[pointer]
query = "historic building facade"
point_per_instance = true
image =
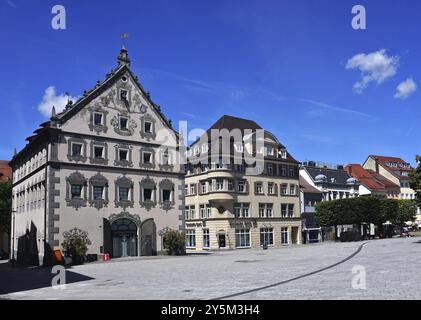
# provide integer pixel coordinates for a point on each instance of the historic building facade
(229, 206)
(396, 170)
(107, 165)
(372, 183)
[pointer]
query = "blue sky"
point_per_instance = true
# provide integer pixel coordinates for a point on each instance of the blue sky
(289, 65)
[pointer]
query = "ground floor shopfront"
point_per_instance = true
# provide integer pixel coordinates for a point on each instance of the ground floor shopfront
(222, 234)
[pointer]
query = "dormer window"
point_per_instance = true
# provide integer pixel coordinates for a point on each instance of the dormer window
(98, 119)
(76, 149)
(283, 154)
(124, 94)
(270, 151)
(196, 151)
(204, 148)
(124, 124)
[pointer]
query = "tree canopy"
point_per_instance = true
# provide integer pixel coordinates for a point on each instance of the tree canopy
(415, 180)
(5, 205)
(364, 210)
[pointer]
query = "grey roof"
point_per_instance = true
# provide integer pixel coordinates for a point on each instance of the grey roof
(340, 176)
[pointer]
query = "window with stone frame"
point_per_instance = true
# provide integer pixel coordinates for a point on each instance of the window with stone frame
(76, 149)
(165, 160)
(166, 188)
(292, 189)
(240, 186)
(124, 95)
(208, 211)
(123, 156)
(98, 118)
(99, 152)
(284, 210)
(147, 193)
(290, 210)
(202, 211)
(147, 156)
(147, 127)
(124, 193)
(76, 193)
(284, 189)
(123, 123)
(98, 191)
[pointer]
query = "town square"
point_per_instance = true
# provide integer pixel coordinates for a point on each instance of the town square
(213, 152)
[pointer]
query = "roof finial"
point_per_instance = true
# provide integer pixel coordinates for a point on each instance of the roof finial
(53, 112)
(123, 57)
(14, 152)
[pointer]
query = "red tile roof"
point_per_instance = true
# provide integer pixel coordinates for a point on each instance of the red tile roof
(5, 171)
(394, 165)
(370, 178)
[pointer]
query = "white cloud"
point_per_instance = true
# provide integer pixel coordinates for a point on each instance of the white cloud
(50, 99)
(374, 67)
(405, 89)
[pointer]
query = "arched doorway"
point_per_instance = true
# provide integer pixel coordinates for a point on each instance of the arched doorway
(148, 238)
(124, 238)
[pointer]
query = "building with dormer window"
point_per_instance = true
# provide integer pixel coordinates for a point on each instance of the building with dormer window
(107, 166)
(242, 189)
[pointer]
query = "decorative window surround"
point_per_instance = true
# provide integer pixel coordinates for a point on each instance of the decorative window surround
(76, 178)
(124, 85)
(131, 125)
(147, 183)
(167, 185)
(165, 160)
(104, 160)
(77, 158)
(100, 181)
(98, 128)
(123, 163)
(147, 135)
(124, 182)
(147, 165)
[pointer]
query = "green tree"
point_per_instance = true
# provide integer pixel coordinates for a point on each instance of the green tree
(415, 180)
(407, 211)
(5, 206)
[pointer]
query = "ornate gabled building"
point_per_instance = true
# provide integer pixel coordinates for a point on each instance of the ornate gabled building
(106, 165)
(244, 195)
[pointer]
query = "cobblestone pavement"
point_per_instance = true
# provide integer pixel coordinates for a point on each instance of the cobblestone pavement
(392, 272)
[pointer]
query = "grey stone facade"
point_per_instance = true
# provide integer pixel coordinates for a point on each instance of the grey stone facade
(86, 169)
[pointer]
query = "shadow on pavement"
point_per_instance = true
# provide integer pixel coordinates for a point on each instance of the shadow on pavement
(16, 279)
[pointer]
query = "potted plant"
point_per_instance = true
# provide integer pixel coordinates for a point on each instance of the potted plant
(174, 242)
(76, 245)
